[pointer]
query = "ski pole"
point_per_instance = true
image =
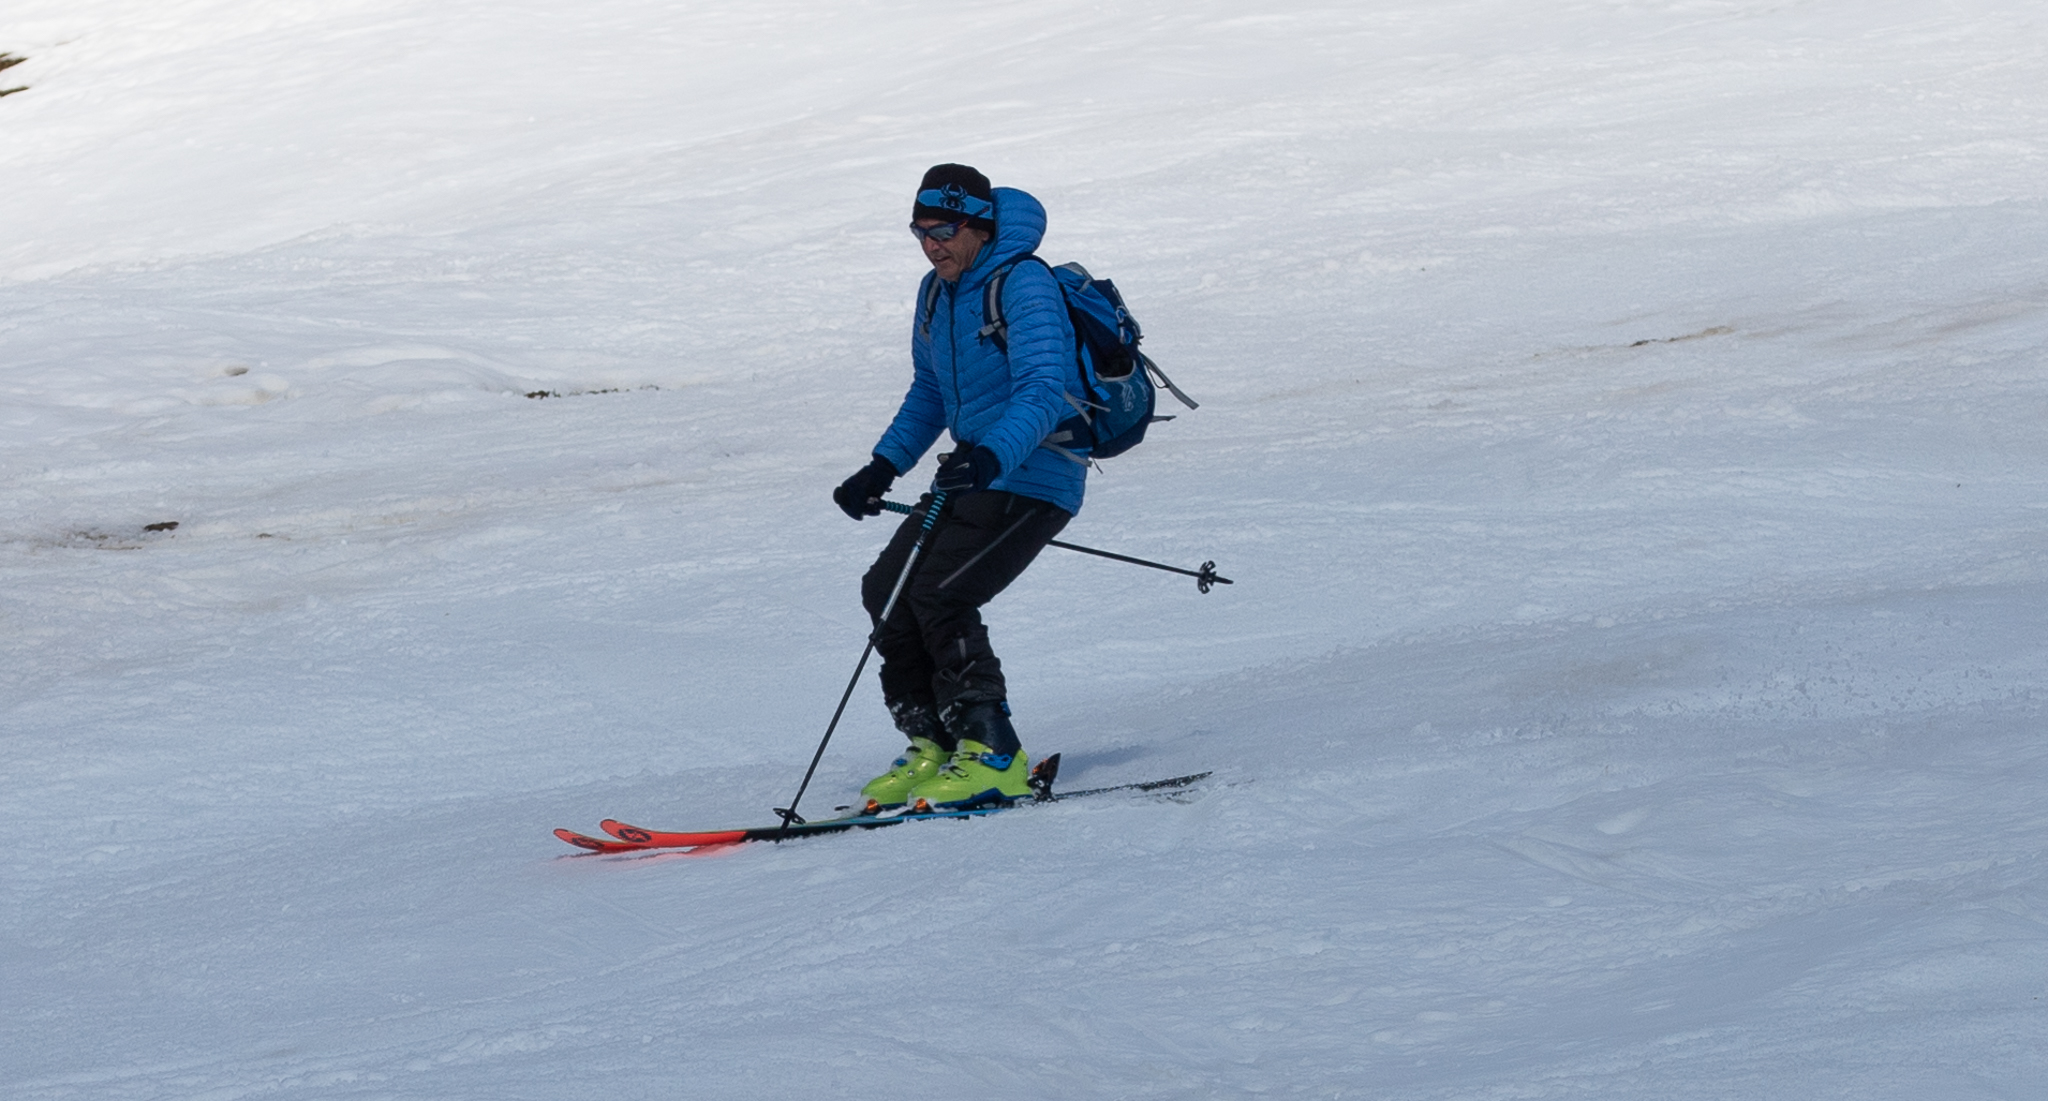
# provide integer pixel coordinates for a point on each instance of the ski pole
(788, 814)
(1205, 578)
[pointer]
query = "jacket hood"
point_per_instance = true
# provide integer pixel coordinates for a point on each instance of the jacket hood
(1020, 226)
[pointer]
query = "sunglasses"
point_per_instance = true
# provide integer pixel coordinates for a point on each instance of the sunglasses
(937, 233)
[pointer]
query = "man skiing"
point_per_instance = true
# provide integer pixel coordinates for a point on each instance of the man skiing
(1005, 495)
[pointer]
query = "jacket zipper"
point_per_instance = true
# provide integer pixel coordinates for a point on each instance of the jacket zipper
(953, 352)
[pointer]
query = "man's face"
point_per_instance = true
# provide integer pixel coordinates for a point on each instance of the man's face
(951, 257)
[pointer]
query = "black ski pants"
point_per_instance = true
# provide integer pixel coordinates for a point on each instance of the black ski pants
(935, 648)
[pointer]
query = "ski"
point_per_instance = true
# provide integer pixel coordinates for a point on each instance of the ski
(623, 837)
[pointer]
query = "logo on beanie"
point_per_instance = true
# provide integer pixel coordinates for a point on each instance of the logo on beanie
(955, 198)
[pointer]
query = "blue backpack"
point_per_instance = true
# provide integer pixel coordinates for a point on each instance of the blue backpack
(1118, 383)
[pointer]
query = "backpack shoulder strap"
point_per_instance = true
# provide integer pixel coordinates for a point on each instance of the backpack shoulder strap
(998, 327)
(928, 301)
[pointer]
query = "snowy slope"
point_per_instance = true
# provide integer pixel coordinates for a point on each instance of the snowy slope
(1624, 422)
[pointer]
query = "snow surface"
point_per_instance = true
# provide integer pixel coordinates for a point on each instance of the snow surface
(1624, 421)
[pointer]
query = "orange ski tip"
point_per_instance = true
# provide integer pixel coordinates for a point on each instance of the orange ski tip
(579, 840)
(624, 832)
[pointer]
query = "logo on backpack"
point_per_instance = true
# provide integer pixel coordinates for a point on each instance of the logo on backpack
(1118, 383)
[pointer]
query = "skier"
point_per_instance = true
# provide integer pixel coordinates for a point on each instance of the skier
(1005, 496)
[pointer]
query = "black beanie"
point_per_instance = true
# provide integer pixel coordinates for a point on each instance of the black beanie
(962, 191)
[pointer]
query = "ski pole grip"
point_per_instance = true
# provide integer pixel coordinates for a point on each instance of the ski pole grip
(930, 518)
(938, 501)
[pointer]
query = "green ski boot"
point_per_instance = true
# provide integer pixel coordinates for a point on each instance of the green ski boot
(919, 763)
(976, 775)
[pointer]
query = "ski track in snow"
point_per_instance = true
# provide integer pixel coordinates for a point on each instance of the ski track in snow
(1623, 421)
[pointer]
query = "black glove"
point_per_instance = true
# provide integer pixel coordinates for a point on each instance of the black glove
(861, 495)
(968, 471)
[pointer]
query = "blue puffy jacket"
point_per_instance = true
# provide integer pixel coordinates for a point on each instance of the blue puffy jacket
(1006, 402)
